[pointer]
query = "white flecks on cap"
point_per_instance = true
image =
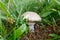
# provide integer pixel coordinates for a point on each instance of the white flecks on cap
(32, 16)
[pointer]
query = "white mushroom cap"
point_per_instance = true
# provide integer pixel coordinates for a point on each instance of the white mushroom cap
(31, 16)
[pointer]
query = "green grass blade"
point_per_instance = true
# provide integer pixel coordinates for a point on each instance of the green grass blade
(18, 32)
(3, 8)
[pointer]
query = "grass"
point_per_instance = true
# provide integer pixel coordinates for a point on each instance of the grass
(13, 26)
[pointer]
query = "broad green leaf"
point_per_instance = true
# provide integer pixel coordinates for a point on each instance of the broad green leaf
(53, 35)
(45, 14)
(46, 9)
(18, 32)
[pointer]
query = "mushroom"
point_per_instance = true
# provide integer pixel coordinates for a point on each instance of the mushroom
(31, 18)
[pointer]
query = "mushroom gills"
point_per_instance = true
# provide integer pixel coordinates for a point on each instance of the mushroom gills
(31, 27)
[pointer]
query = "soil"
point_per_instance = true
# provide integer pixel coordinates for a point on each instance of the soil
(41, 33)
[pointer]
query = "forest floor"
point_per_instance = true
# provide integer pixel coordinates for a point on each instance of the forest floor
(42, 33)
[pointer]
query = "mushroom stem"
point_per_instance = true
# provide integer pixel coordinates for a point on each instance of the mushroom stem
(31, 27)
